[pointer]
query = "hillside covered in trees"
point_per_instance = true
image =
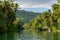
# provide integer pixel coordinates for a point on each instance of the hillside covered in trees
(48, 20)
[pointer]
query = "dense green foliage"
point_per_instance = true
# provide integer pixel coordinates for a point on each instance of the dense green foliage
(10, 17)
(7, 15)
(46, 19)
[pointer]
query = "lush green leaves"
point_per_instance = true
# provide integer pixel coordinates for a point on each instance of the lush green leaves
(7, 15)
(48, 19)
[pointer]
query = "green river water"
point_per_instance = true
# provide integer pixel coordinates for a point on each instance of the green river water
(29, 35)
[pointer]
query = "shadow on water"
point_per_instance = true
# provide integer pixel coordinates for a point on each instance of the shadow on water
(30, 35)
(12, 36)
(3, 36)
(8, 36)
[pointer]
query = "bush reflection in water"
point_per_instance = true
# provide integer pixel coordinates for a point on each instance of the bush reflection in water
(29, 35)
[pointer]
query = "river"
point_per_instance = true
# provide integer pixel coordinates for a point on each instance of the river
(29, 35)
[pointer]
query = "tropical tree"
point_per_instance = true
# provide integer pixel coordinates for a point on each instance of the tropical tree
(7, 15)
(56, 14)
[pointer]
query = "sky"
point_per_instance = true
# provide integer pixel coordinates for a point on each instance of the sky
(35, 5)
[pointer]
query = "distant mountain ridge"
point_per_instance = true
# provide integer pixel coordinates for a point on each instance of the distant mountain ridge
(27, 15)
(23, 13)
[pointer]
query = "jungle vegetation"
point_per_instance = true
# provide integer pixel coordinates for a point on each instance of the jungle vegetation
(7, 15)
(48, 19)
(9, 20)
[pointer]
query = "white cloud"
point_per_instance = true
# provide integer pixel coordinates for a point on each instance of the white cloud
(35, 3)
(35, 6)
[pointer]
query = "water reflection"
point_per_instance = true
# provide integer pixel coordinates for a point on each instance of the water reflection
(3, 36)
(8, 36)
(11, 36)
(55, 36)
(59, 36)
(30, 35)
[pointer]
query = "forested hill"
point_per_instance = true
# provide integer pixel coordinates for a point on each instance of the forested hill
(26, 15)
(23, 13)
